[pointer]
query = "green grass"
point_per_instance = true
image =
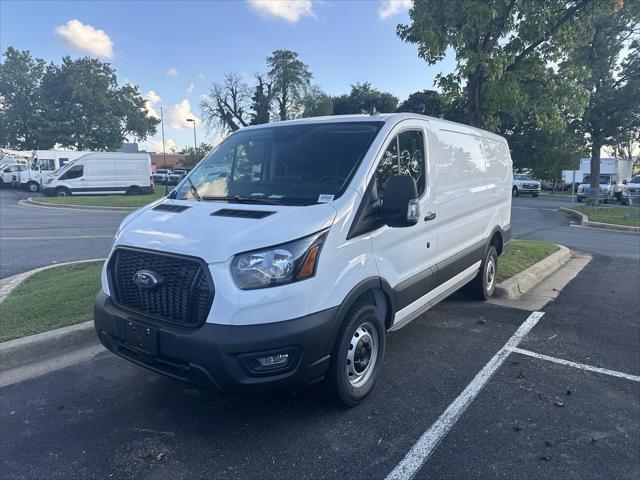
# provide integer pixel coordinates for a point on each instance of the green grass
(521, 254)
(50, 299)
(629, 216)
(105, 200)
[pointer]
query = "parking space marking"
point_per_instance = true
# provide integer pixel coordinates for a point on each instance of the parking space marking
(581, 366)
(78, 237)
(427, 443)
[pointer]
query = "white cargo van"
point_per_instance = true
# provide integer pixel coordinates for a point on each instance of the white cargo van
(292, 249)
(102, 173)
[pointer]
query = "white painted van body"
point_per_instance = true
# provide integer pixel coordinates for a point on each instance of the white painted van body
(465, 210)
(102, 173)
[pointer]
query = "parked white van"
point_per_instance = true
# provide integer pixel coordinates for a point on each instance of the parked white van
(102, 173)
(292, 249)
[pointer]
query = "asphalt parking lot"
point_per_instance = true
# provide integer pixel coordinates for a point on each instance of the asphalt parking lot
(538, 415)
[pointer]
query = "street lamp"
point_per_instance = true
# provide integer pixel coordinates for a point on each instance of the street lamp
(195, 144)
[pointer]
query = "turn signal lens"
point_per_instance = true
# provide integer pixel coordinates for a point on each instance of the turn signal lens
(309, 265)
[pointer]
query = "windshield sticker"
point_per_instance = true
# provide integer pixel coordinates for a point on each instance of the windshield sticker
(324, 198)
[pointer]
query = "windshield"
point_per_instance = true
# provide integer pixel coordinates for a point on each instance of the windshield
(635, 179)
(64, 168)
(282, 164)
(523, 177)
(604, 179)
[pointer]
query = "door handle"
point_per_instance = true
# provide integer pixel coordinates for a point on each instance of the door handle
(430, 216)
(83, 179)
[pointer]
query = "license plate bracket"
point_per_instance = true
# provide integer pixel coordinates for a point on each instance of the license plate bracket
(141, 337)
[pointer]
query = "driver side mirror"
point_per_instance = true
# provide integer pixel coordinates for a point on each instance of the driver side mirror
(400, 207)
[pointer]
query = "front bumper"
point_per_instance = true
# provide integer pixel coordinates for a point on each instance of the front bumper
(216, 355)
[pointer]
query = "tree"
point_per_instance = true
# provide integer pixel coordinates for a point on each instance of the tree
(426, 102)
(227, 105)
(21, 119)
(363, 98)
(290, 79)
(194, 156)
(87, 110)
(494, 41)
(612, 115)
(261, 101)
(316, 103)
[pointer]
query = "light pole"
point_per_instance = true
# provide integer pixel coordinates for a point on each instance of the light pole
(195, 144)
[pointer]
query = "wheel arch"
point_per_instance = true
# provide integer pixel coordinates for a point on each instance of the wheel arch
(374, 290)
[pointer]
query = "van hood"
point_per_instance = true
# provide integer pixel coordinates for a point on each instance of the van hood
(196, 232)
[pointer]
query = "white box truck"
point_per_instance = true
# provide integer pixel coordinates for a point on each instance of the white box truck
(102, 173)
(617, 170)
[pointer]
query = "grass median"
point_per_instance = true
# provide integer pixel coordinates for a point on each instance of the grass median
(519, 255)
(104, 200)
(628, 216)
(50, 299)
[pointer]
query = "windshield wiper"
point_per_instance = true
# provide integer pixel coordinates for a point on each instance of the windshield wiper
(194, 190)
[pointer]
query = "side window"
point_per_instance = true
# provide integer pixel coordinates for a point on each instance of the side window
(74, 172)
(404, 156)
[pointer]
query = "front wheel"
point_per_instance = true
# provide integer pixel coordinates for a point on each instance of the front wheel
(484, 284)
(63, 192)
(357, 355)
(33, 186)
(514, 192)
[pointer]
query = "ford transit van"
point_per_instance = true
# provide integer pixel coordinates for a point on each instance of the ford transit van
(102, 173)
(287, 255)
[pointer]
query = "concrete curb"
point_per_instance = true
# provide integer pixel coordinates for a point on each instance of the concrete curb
(46, 345)
(35, 203)
(530, 277)
(7, 285)
(582, 219)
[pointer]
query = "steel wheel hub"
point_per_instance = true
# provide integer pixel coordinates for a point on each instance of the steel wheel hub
(491, 273)
(362, 354)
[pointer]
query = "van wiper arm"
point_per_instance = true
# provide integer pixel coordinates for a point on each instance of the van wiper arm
(259, 200)
(194, 190)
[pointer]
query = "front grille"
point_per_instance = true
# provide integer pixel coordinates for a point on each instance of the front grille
(183, 295)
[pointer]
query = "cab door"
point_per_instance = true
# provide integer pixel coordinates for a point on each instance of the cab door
(75, 179)
(406, 256)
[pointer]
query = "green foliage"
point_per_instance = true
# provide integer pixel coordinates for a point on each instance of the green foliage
(77, 104)
(261, 101)
(519, 255)
(316, 103)
(364, 98)
(290, 78)
(21, 118)
(194, 156)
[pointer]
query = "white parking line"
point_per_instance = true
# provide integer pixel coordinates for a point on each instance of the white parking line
(430, 439)
(581, 366)
(76, 237)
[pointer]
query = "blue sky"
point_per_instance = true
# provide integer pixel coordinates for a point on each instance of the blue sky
(175, 50)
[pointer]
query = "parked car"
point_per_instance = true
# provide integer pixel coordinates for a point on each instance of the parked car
(321, 236)
(524, 184)
(631, 192)
(10, 173)
(175, 176)
(102, 173)
(161, 176)
(609, 188)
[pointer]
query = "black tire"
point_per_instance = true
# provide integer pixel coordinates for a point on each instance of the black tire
(484, 284)
(350, 379)
(536, 194)
(33, 186)
(514, 192)
(579, 200)
(62, 192)
(618, 196)
(133, 190)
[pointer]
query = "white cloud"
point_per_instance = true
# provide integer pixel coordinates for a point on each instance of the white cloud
(201, 76)
(190, 89)
(172, 72)
(215, 139)
(290, 10)
(85, 38)
(151, 99)
(155, 145)
(389, 8)
(176, 116)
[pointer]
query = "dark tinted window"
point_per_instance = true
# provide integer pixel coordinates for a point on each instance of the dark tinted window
(409, 160)
(74, 172)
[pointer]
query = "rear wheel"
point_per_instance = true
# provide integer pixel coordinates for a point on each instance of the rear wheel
(483, 286)
(63, 192)
(357, 355)
(514, 192)
(133, 190)
(33, 186)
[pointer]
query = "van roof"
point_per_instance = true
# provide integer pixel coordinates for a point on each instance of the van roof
(382, 117)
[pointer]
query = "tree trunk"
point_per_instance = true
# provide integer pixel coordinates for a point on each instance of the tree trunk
(595, 164)
(474, 98)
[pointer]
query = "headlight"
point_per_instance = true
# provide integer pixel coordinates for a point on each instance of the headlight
(278, 265)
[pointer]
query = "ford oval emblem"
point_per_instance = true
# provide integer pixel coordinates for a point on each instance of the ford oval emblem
(146, 279)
